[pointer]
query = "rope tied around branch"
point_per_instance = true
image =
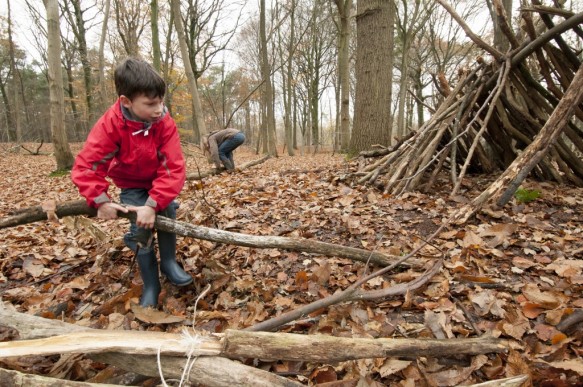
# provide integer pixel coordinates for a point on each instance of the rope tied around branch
(191, 340)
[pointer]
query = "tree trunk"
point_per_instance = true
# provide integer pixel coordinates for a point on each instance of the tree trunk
(156, 55)
(288, 92)
(199, 125)
(344, 10)
(15, 84)
(374, 34)
(80, 34)
(63, 154)
(267, 86)
(103, 101)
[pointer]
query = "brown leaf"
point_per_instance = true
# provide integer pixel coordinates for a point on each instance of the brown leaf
(321, 274)
(302, 280)
(547, 300)
(33, 266)
(499, 232)
(153, 316)
(324, 375)
(532, 310)
(392, 366)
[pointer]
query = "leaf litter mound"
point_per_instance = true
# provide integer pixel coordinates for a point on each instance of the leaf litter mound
(514, 273)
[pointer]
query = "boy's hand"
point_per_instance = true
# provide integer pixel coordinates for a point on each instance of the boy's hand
(109, 210)
(146, 216)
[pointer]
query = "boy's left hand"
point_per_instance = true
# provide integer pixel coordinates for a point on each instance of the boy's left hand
(146, 216)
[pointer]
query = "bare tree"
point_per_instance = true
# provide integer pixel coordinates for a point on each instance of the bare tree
(131, 17)
(13, 107)
(268, 127)
(209, 27)
(156, 54)
(75, 15)
(500, 40)
(198, 118)
(63, 154)
(101, 54)
(344, 36)
(409, 24)
(286, 47)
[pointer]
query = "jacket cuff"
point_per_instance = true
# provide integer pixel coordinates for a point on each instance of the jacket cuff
(103, 198)
(151, 203)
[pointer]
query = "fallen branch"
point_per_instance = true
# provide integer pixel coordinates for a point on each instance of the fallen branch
(213, 172)
(75, 208)
(255, 345)
(569, 323)
(209, 371)
(515, 381)
(35, 152)
(15, 378)
(352, 293)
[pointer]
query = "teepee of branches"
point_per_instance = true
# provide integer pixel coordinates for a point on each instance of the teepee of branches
(497, 111)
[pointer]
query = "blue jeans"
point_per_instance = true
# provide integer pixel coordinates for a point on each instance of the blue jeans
(227, 147)
(166, 241)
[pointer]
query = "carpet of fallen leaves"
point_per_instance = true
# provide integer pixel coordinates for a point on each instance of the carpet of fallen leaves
(514, 273)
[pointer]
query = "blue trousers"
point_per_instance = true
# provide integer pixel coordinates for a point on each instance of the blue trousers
(227, 147)
(166, 240)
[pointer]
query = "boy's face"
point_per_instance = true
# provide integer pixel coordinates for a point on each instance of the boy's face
(143, 107)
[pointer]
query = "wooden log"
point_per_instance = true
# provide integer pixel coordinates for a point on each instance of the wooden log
(15, 378)
(99, 341)
(210, 371)
(80, 207)
(515, 381)
(320, 348)
(244, 344)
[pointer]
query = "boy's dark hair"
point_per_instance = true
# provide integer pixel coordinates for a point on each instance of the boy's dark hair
(134, 77)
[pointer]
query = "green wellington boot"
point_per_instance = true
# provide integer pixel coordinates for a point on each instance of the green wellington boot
(168, 265)
(149, 271)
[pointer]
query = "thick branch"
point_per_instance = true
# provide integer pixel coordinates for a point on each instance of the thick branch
(15, 378)
(208, 371)
(241, 344)
(34, 214)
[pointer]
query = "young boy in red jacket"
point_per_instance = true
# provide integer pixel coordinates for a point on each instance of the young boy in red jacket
(136, 144)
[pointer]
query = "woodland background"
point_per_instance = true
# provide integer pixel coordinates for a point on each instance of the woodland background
(446, 126)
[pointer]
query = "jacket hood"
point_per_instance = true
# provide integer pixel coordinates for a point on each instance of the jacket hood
(130, 123)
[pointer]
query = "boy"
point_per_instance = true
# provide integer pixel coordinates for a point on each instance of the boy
(218, 147)
(136, 144)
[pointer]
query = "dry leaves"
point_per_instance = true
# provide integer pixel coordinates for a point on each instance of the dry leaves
(514, 273)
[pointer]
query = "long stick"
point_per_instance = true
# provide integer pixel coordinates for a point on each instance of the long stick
(260, 345)
(73, 208)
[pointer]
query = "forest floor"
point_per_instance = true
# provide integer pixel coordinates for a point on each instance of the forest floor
(513, 273)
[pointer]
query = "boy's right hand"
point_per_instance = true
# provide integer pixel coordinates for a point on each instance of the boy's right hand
(109, 210)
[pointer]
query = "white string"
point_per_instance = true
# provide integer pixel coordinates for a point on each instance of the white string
(193, 340)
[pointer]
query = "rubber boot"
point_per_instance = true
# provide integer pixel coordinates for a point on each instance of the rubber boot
(168, 265)
(228, 164)
(149, 271)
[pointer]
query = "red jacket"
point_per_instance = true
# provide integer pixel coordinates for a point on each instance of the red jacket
(133, 157)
